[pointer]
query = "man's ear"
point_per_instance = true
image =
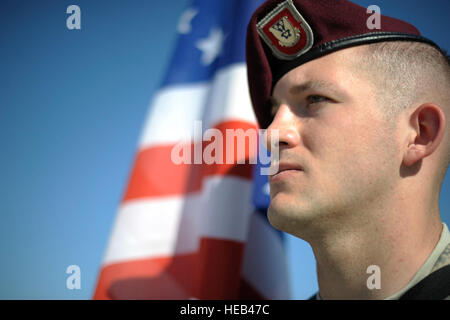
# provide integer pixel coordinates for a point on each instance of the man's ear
(428, 122)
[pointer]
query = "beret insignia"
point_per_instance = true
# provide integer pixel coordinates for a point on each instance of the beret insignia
(286, 32)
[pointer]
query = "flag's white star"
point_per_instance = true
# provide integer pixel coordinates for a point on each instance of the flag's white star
(184, 25)
(211, 46)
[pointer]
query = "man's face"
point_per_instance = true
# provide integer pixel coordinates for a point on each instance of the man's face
(334, 135)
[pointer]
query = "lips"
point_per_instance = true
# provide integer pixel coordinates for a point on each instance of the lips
(285, 166)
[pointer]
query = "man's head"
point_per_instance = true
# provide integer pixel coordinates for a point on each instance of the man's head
(355, 140)
(364, 127)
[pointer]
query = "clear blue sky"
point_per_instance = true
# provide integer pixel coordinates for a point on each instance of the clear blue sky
(72, 107)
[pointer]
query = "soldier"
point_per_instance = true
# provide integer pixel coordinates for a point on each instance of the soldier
(363, 144)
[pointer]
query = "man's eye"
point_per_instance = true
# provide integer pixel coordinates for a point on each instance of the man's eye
(316, 99)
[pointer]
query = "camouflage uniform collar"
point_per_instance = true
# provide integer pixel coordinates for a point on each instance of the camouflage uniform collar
(439, 257)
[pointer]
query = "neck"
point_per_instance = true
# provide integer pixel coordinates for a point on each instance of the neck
(397, 241)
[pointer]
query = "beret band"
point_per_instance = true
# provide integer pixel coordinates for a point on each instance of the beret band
(352, 41)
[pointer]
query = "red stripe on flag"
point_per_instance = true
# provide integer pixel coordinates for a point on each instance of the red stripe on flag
(219, 269)
(154, 173)
(248, 292)
(211, 273)
(121, 271)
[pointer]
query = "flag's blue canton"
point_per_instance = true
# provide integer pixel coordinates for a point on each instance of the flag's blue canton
(261, 190)
(261, 194)
(212, 36)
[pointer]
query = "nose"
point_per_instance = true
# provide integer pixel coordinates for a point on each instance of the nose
(284, 124)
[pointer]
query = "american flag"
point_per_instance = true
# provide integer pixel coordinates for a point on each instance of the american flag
(197, 231)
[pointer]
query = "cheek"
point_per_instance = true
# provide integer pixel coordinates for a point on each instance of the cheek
(356, 132)
(350, 148)
(337, 142)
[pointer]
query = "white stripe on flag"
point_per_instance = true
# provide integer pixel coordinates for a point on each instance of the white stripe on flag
(230, 99)
(147, 228)
(176, 108)
(227, 208)
(173, 113)
(165, 226)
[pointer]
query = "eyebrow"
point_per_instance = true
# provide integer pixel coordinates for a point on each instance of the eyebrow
(314, 85)
(309, 85)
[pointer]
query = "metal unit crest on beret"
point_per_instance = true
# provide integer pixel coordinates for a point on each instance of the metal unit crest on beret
(286, 32)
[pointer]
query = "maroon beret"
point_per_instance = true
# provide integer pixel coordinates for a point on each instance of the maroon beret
(283, 35)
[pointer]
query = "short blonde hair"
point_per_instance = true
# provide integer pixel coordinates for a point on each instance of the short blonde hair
(407, 74)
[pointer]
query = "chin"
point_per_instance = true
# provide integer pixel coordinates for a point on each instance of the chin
(282, 218)
(292, 218)
(274, 218)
